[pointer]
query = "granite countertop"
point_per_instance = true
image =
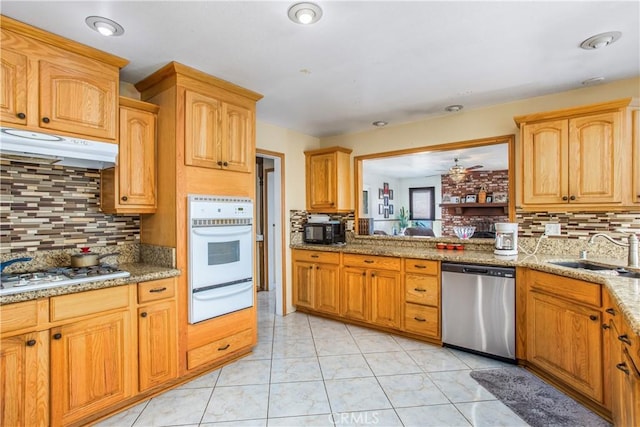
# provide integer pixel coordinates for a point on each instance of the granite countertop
(625, 291)
(140, 272)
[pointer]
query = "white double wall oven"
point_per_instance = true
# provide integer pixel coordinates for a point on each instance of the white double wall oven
(220, 255)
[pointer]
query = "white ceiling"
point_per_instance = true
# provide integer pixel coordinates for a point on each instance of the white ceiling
(397, 61)
(429, 163)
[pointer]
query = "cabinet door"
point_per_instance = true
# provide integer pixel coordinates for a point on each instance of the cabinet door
(137, 158)
(303, 284)
(157, 350)
(321, 181)
(237, 143)
(75, 98)
(595, 159)
(91, 366)
(571, 348)
(635, 138)
(24, 385)
(327, 283)
(203, 130)
(355, 293)
(13, 94)
(545, 162)
(385, 298)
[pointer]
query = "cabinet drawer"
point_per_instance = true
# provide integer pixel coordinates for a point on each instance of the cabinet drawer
(317, 256)
(156, 290)
(18, 316)
(366, 261)
(566, 288)
(421, 266)
(421, 289)
(422, 320)
(89, 302)
(220, 348)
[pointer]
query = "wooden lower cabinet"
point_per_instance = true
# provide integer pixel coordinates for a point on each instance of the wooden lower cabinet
(316, 280)
(91, 366)
(24, 380)
(355, 294)
(422, 297)
(385, 300)
(157, 348)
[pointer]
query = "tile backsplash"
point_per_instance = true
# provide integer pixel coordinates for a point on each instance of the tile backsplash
(46, 207)
(580, 225)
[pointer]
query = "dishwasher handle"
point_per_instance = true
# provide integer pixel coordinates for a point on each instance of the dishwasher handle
(475, 270)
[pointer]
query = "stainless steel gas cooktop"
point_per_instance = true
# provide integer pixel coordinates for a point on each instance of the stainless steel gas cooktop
(56, 277)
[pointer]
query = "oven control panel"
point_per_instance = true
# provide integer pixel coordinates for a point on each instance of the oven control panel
(219, 207)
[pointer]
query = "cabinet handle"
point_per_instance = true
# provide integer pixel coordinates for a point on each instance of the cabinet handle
(224, 348)
(593, 317)
(368, 261)
(46, 119)
(625, 339)
(364, 274)
(158, 290)
(21, 116)
(143, 314)
(31, 343)
(124, 198)
(225, 164)
(419, 266)
(606, 326)
(565, 198)
(572, 197)
(317, 267)
(419, 290)
(420, 319)
(373, 274)
(611, 311)
(57, 336)
(315, 256)
(311, 267)
(219, 163)
(623, 367)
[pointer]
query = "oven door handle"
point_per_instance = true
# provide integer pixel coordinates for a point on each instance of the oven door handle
(217, 295)
(222, 231)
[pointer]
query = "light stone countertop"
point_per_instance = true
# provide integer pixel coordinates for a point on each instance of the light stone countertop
(140, 272)
(624, 291)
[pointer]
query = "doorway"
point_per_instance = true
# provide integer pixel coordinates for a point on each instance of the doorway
(270, 256)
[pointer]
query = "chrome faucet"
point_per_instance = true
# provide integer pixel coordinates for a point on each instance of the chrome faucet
(632, 244)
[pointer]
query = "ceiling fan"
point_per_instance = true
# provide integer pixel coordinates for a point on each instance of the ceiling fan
(457, 173)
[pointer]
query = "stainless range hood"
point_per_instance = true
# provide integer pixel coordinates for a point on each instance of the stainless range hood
(30, 146)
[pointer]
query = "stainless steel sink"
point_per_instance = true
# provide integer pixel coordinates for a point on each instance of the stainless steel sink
(586, 265)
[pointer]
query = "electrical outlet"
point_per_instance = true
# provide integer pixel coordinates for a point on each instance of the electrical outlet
(552, 229)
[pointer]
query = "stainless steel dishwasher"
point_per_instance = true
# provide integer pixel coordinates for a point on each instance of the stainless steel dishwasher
(478, 309)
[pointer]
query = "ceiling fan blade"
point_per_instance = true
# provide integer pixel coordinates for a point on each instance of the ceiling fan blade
(474, 167)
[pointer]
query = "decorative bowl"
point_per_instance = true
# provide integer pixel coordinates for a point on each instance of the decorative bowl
(464, 232)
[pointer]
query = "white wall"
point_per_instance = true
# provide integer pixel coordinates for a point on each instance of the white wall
(292, 144)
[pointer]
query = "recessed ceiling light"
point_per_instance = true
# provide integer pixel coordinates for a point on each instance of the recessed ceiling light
(453, 108)
(104, 26)
(305, 13)
(600, 40)
(380, 123)
(593, 81)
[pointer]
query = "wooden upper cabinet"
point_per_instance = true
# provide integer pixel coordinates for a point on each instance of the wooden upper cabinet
(130, 187)
(576, 158)
(218, 134)
(635, 138)
(55, 85)
(328, 179)
(13, 93)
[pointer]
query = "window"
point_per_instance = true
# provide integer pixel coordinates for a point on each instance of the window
(422, 203)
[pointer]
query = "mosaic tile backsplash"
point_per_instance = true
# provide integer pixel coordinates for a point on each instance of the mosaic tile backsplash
(44, 207)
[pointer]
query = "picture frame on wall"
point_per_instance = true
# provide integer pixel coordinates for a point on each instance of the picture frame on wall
(390, 209)
(390, 194)
(471, 198)
(380, 193)
(489, 199)
(380, 209)
(500, 197)
(386, 212)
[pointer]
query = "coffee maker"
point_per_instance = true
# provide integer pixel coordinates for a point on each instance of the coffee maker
(506, 238)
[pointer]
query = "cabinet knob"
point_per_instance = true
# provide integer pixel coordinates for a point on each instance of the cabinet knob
(317, 267)
(364, 274)
(625, 339)
(572, 198)
(611, 311)
(225, 164)
(21, 116)
(143, 314)
(606, 326)
(373, 274)
(57, 336)
(219, 163)
(311, 267)
(45, 120)
(124, 198)
(593, 317)
(565, 198)
(31, 343)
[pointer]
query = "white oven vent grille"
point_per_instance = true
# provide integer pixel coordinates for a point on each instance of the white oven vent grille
(220, 222)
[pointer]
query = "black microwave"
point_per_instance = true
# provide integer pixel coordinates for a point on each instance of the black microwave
(325, 233)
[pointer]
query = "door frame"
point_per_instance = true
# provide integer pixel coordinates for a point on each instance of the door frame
(279, 167)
